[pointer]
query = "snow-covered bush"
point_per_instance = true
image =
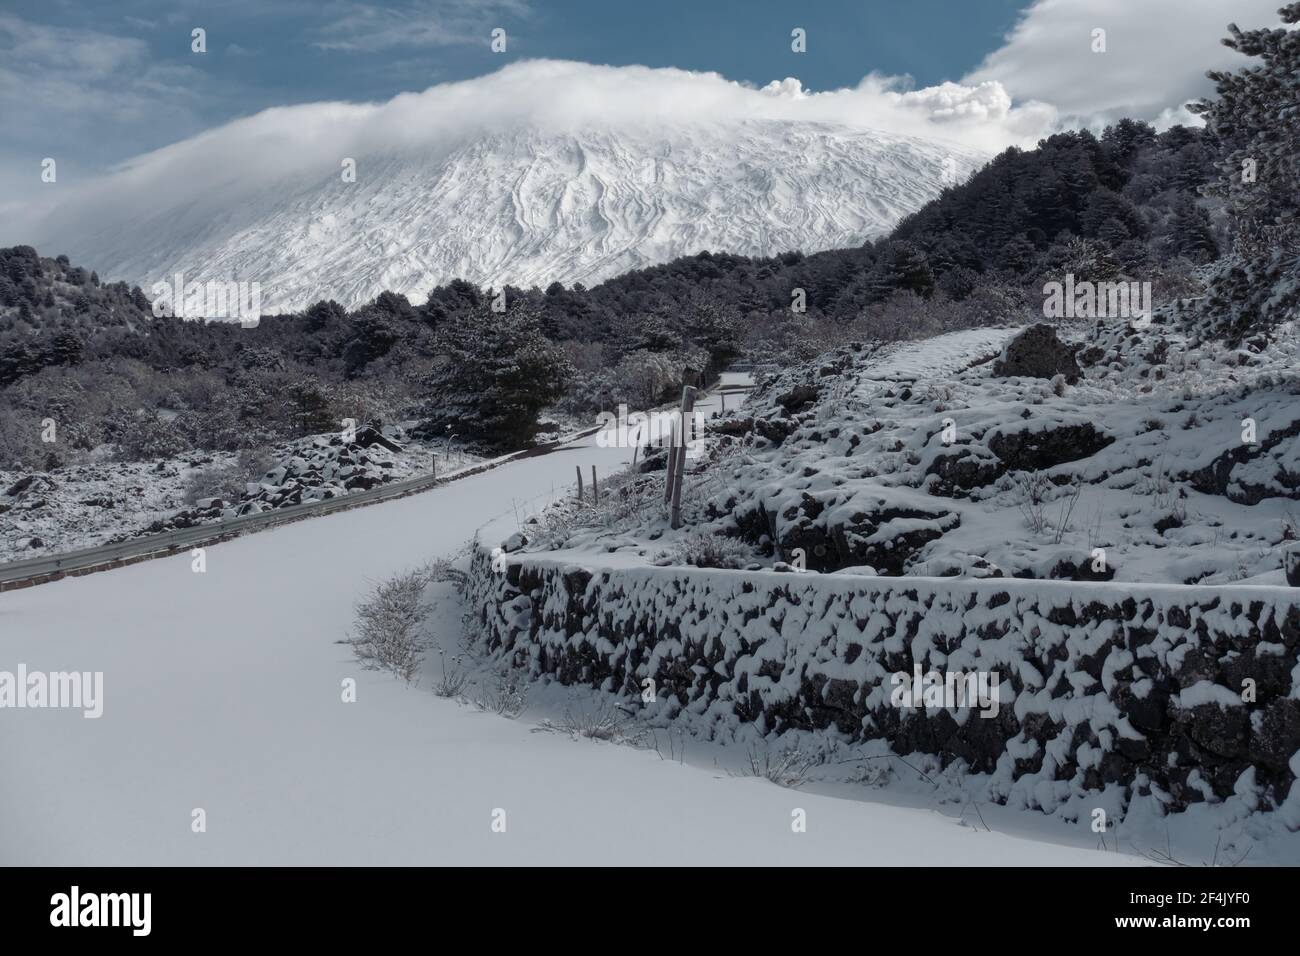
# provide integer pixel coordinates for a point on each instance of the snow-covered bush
(705, 550)
(227, 482)
(505, 695)
(1256, 117)
(788, 767)
(602, 722)
(389, 626)
(1032, 489)
(148, 435)
(453, 679)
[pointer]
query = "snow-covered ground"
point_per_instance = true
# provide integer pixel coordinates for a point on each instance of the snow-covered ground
(223, 692)
(102, 500)
(1175, 462)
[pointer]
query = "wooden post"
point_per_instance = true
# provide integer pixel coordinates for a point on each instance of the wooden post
(595, 491)
(672, 463)
(688, 406)
(579, 470)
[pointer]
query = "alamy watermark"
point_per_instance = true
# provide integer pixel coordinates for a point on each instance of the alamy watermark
(659, 428)
(950, 689)
(212, 299)
(129, 910)
(75, 690)
(1096, 300)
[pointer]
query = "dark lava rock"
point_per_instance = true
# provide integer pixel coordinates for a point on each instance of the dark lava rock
(797, 398)
(1038, 353)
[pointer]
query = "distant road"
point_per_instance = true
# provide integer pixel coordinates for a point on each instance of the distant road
(53, 567)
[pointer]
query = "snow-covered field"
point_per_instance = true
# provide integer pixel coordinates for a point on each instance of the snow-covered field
(223, 692)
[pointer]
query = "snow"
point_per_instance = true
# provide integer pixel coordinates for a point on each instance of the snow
(527, 207)
(83, 505)
(222, 692)
(902, 452)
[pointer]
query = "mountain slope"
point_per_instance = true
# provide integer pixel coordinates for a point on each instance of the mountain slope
(524, 207)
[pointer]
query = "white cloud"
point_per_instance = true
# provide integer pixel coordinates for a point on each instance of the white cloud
(1157, 53)
(280, 147)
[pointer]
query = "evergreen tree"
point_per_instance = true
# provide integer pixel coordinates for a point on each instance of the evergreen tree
(1192, 234)
(499, 372)
(1257, 116)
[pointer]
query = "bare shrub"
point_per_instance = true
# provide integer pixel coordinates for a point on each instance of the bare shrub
(1067, 510)
(442, 570)
(506, 695)
(454, 680)
(1290, 527)
(788, 767)
(1031, 489)
(873, 775)
(389, 626)
(704, 550)
(605, 722)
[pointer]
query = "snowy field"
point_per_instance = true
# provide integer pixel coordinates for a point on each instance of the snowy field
(222, 691)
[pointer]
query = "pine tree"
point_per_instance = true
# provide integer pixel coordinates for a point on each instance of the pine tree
(1193, 234)
(1257, 117)
(499, 372)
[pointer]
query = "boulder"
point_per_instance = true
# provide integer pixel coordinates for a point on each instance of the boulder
(369, 436)
(1038, 353)
(797, 398)
(29, 483)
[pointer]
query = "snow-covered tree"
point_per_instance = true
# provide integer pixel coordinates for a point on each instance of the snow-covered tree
(1256, 115)
(499, 372)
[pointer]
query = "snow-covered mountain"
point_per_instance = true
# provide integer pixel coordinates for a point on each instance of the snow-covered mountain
(528, 205)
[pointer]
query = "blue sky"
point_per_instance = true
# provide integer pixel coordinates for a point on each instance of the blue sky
(93, 83)
(271, 52)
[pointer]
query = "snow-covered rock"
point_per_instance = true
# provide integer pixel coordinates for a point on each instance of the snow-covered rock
(1134, 692)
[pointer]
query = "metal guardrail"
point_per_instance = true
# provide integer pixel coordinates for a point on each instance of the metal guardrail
(33, 571)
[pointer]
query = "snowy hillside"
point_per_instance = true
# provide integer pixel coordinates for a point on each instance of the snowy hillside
(1165, 461)
(524, 207)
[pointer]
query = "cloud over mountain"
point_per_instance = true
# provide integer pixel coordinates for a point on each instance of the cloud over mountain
(739, 168)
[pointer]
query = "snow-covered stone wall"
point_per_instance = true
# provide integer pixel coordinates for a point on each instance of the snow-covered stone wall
(1185, 693)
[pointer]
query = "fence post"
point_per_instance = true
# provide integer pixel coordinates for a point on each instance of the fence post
(672, 462)
(578, 468)
(679, 453)
(595, 491)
